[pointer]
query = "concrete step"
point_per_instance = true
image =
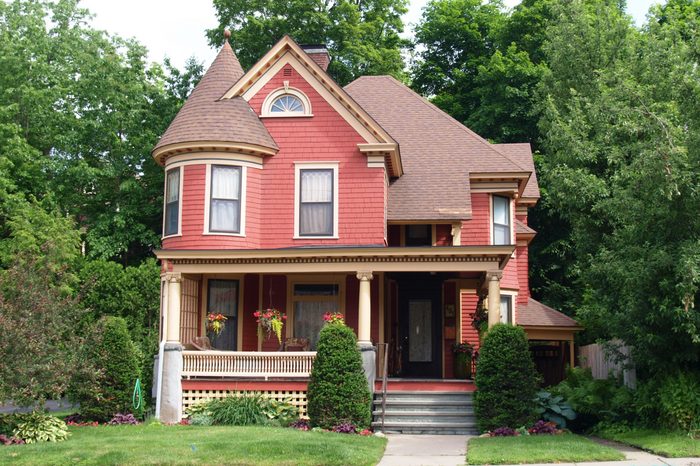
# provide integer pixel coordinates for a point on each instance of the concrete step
(426, 396)
(419, 418)
(431, 405)
(433, 427)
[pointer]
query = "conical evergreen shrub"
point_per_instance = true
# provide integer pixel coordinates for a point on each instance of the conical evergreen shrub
(506, 380)
(338, 391)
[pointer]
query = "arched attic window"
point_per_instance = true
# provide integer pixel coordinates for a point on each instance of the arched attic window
(286, 102)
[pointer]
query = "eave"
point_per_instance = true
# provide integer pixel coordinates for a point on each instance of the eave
(164, 152)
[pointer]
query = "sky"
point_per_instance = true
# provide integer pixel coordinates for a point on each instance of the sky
(175, 28)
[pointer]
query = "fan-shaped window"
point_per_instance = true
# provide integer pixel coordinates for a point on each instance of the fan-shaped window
(287, 104)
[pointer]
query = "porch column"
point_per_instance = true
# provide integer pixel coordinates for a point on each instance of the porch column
(494, 283)
(171, 378)
(364, 323)
(364, 320)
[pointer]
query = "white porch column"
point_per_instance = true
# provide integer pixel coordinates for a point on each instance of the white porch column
(174, 299)
(171, 378)
(364, 320)
(494, 284)
(364, 324)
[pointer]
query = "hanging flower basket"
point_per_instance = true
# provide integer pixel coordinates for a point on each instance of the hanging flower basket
(333, 318)
(270, 321)
(216, 322)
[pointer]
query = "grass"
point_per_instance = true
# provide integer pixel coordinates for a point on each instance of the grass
(669, 444)
(178, 445)
(537, 449)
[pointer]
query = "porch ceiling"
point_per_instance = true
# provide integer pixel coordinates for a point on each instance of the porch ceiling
(339, 259)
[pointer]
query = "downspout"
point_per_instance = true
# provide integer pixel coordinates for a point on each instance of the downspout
(161, 347)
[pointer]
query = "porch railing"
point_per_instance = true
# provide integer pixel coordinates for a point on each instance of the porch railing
(248, 364)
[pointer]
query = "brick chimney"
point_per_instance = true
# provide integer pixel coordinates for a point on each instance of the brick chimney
(319, 54)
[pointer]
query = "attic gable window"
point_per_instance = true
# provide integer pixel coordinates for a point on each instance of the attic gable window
(286, 102)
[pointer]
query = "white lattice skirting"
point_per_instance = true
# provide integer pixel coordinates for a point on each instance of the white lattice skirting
(295, 397)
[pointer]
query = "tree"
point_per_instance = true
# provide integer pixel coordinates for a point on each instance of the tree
(506, 380)
(39, 345)
(338, 391)
(622, 171)
(362, 37)
(90, 109)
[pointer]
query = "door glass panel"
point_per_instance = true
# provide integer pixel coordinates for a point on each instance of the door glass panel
(222, 297)
(420, 331)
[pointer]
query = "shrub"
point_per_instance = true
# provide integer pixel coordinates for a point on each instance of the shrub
(120, 418)
(506, 380)
(543, 427)
(503, 432)
(673, 402)
(107, 389)
(8, 423)
(40, 427)
(338, 392)
(345, 428)
(200, 419)
(595, 400)
(554, 408)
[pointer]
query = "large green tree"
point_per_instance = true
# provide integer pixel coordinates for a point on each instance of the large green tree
(622, 171)
(362, 36)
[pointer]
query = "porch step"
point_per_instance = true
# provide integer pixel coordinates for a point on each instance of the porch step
(425, 412)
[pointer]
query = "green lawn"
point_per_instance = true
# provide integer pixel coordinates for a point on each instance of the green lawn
(156, 444)
(537, 449)
(670, 444)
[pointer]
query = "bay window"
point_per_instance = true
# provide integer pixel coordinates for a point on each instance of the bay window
(225, 199)
(171, 223)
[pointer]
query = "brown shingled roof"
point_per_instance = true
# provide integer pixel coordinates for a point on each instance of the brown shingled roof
(522, 229)
(522, 154)
(437, 151)
(204, 117)
(536, 314)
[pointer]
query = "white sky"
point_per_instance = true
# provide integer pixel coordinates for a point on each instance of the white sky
(175, 28)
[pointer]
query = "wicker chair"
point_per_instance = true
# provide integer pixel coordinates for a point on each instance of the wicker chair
(296, 344)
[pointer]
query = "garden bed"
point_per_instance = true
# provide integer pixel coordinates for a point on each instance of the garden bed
(669, 444)
(158, 444)
(538, 449)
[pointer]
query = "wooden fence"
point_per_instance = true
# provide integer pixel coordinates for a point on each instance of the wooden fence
(603, 363)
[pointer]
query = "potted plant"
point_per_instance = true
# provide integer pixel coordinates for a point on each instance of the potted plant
(333, 318)
(216, 322)
(462, 361)
(270, 321)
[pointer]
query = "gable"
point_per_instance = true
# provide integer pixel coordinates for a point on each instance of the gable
(286, 53)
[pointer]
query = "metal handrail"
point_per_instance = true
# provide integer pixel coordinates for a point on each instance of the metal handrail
(385, 372)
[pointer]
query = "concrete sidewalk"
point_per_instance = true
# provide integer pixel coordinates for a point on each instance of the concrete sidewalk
(428, 450)
(450, 450)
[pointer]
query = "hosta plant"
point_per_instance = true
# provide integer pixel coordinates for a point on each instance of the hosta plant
(40, 427)
(554, 408)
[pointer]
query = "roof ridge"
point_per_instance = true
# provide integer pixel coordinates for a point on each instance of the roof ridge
(451, 119)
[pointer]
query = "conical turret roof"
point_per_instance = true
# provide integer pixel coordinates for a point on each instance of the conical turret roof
(205, 118)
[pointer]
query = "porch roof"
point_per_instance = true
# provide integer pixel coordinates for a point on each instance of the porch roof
(340, 259)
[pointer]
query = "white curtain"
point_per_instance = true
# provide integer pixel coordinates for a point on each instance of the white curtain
(224, 213)
(506, 312)
(501, 220)
(173, 188)
(226, 182)
(308, 319)
(316, 212)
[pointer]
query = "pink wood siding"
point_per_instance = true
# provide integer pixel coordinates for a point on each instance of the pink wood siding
(324, 137)
(509, 281)
(476, 231)
(193, 194)
(523, 279)
(250, 304)
(469, 333)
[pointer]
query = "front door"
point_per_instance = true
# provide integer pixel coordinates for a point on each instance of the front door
(419, 323)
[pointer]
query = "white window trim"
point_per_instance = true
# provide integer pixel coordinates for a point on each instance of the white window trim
(513, 295)
(179, 200)
(207, 198)
(512, 219)
(298, 166)
(267, 103)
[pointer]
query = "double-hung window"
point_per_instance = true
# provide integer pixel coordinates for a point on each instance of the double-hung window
(501, 220)
(506, 309)
(316, 202)
(311, 302)
(225, 202)
(171, 225)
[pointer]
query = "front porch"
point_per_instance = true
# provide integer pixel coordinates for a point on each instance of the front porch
(377, 289)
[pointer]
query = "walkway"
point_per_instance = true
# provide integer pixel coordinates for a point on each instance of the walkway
(421, 450)
(450, 450)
